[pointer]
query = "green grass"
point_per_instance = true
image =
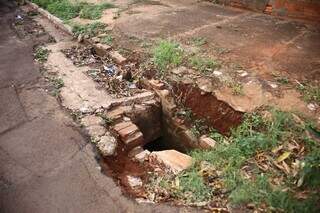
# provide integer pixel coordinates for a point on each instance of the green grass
(43, 3)
(89, 30)
(167, 54)
(310, 93)
(94, 11)
(203, 64)
(57, 84)
(198, 127)
(108, 39)
(257, 134)
(236, 87)
(41, 54)
(192, 187)
(64, 9)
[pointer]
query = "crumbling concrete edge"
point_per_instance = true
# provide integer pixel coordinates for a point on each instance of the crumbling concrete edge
(66, 28)
(55, 20)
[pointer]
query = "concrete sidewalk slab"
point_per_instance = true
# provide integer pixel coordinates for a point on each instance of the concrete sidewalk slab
(41, 145)
(11, 111)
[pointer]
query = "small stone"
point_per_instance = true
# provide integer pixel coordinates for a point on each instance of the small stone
(142, 156)
(134, 181)
(273, 85)
(205, 85)
(107, 145)
(312, 106)
(85, 109)
(173, 160)
(80, 38)
(206, 142)
(126, 119)
(242, 73)
(217, 73)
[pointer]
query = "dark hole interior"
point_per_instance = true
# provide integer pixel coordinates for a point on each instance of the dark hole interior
(157, 145)
(161, 144)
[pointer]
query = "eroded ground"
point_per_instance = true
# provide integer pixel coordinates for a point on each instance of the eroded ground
(240, 85)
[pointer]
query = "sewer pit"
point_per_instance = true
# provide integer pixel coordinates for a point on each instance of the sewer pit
(161, 130)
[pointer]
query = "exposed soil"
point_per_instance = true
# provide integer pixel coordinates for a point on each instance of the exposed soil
(237, 35)
(216, 113)
(120, 166)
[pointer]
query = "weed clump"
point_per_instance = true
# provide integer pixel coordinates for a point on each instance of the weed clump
(41, 54)
(203, 64)
(108, 39)
(89, 30)
(92, 11)
(64, 9)
(310, 93)
(265, 162)
(167, 54)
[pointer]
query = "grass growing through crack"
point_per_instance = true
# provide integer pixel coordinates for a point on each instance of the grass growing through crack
(244, 176)
(167, 54)
(236, 88)
(89, 30)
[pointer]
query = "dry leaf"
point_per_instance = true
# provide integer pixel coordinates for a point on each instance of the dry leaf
(284, 156)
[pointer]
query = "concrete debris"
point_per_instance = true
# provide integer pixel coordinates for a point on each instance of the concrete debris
(173, 160)
(107, 145)
(134, 181)
(142, 156)
(91, 120)
(206, 142)
(217, 73)
(273, 85)
(205, 85)
(312, 107)
(117, 57)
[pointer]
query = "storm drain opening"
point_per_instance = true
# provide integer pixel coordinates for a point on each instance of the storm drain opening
(152, 137)
(159, 144)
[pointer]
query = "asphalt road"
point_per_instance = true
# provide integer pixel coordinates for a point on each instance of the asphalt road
(46, 165)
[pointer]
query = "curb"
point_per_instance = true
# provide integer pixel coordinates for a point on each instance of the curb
(55, 20)
(101, 49)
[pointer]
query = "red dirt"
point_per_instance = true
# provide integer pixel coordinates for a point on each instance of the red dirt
(120, 166)
(217, 114)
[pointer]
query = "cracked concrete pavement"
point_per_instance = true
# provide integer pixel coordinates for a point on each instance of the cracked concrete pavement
(46, 164)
